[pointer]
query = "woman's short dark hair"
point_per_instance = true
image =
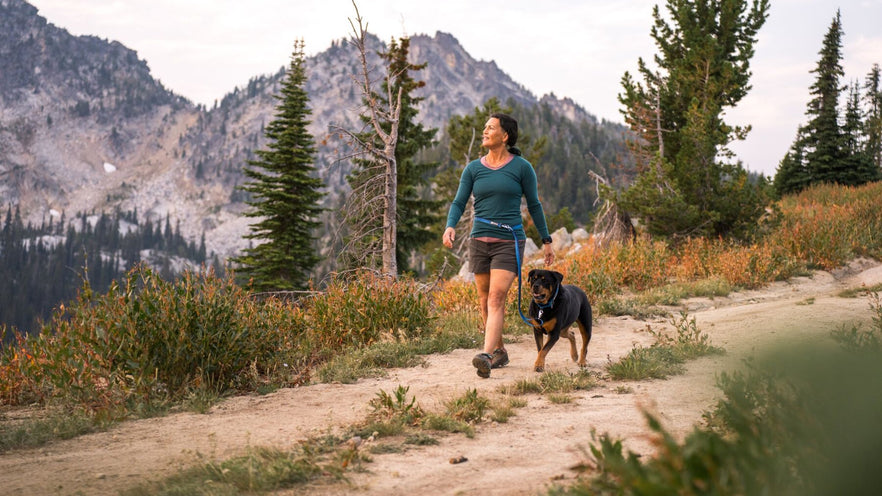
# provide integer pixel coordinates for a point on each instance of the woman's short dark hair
(509, 126)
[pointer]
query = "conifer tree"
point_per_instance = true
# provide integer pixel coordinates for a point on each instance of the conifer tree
(685, 185)
(285, 192)
(834, 150)
(873, 118)
(792, 175)
(822, 136)
(858, 167)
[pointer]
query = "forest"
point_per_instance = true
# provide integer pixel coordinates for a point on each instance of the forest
(44, 266)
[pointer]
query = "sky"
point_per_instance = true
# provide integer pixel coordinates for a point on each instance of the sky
(203, 49)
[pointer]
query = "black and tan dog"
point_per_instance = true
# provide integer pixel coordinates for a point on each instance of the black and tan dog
(556, 307)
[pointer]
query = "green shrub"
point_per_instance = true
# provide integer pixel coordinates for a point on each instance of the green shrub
(420, 439)
(788, 426)
(452, 332)
(367, 308)
(689, 342)
(147, 342)
(370, 361)
(653, 362)
(446, 423)
(553, 382)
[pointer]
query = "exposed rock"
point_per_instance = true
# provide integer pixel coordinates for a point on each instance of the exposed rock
(74, 107)
(580, 235)
(561, 240)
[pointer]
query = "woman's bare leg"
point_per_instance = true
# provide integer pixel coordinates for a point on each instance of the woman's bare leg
(492, 293)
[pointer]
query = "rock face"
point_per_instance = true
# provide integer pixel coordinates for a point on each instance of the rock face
(84, 126)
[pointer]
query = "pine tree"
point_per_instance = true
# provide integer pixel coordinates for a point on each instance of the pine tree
(792, 175)
(705, 48)
(830, 152)
(823, 136)
(285, 192)
(858, 166)
(873, 118)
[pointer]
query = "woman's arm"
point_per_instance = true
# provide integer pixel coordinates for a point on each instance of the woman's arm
(457, 207)
(534, 206)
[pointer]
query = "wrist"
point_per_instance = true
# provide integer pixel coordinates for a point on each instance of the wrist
(547, 241)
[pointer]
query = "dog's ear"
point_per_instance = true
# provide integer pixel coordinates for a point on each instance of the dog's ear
(558, 277)
(531, 275)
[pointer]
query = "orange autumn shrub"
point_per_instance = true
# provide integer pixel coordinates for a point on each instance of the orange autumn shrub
(827, 225)
(454, 296)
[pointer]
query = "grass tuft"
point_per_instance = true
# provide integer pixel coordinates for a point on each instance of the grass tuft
(666, 356)
(553, 382)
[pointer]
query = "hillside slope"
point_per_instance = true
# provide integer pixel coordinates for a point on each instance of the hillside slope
(534, 449)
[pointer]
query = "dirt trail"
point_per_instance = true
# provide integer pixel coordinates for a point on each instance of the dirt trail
(534, 449)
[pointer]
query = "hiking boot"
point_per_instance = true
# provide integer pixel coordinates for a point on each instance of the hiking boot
(482, 362)
(500, 359)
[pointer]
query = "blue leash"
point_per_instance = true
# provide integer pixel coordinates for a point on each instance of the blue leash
(511, 229)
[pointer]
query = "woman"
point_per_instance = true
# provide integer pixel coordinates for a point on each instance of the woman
(497, 180)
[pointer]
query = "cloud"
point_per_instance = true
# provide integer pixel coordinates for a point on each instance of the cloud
(861, 54)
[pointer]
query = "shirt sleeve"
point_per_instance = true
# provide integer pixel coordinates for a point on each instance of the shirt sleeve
(534, 206)
(463, 193)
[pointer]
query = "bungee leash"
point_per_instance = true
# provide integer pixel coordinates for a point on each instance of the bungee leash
(511, 229)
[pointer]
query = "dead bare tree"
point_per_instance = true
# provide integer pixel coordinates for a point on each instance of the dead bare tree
(611, 224)
(377, 196)
(468, 216)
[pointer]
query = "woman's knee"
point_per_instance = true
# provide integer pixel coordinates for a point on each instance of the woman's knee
(496, 300)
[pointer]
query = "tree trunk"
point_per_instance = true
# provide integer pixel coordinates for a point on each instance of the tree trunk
(390, 224)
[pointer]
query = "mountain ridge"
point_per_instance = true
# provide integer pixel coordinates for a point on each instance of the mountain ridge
(84, 126)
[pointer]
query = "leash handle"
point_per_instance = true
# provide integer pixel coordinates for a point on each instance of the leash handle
(517, 259)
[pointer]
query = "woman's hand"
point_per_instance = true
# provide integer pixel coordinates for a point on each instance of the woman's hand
(448, 237)
(549, 253)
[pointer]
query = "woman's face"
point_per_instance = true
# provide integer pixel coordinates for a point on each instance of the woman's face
(493, 135)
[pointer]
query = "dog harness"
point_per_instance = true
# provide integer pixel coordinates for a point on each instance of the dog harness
(511, 229)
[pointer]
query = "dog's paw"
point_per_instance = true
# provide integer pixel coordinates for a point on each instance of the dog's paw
(539, 368)
(583, 364)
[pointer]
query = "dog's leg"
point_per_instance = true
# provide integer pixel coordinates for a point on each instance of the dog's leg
(539, 365)
(539, 336)
(585, 331)
(571, 335)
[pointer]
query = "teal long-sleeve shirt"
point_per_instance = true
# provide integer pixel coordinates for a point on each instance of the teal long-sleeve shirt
(498, 195)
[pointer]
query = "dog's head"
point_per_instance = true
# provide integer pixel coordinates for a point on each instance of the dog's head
(543, 284)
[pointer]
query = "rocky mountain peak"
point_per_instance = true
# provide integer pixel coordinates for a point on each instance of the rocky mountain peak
(84, 126)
